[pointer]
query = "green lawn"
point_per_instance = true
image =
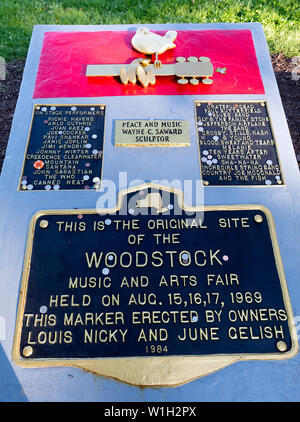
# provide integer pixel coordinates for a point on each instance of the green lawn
(280, 18)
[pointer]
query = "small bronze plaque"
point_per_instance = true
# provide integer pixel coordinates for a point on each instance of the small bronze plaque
(139, 133)
(65, 148)
(237, 145)
(177, 281)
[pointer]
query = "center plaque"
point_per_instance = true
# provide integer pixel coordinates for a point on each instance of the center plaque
(64, 148)
(153, 284)
(135, 133)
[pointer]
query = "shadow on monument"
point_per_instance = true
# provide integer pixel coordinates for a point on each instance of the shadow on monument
(10, 388)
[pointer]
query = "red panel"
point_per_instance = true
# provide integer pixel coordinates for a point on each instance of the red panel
(65, 56)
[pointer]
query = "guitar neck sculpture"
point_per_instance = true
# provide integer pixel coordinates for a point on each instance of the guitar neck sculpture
(146, 72)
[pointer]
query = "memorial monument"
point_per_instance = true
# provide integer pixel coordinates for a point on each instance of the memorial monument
(150, 227)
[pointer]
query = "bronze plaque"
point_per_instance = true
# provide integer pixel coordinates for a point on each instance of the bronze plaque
(237, 146)
(153, 278)
(139, 133)
(64, 149)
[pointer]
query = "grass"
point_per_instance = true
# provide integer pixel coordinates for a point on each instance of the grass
(280, 18)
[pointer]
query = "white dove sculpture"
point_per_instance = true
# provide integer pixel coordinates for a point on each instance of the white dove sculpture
(148, 42)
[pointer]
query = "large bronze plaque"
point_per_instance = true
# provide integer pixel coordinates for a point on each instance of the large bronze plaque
(152, 278)
(65, 148)
(237, 146)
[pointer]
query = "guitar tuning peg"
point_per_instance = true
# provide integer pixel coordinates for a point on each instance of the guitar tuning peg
(192, 59)
(207, 81)
(204, 59)
(194, 81)
(182, 81)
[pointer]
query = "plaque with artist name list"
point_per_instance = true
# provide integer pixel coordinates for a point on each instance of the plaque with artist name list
(237, 146)
(64, 149)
